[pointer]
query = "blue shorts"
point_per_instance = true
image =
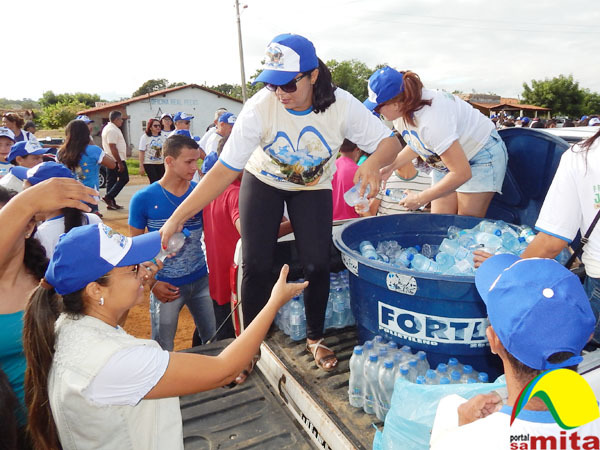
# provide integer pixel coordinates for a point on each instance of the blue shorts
(488, 168)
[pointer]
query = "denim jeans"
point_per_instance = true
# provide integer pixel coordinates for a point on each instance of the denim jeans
(164, 316)
(592, 288)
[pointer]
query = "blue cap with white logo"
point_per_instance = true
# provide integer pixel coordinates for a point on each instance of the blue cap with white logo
(24, 148)
(525, 119)
(85, 118)
(287, 55)
(42, 172)
(182, 116)
(186, 133)
(384, 85)
(537, 308)
(228, 118)
(7, 133)
(89, 252)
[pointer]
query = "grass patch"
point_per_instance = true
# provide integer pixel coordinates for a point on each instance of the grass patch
(133, 166)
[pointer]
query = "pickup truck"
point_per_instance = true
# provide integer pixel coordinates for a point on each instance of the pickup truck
(317, 401)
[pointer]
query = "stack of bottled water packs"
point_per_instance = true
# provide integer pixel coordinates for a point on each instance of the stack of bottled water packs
(454, 255)
(375, 366)
(291, 318)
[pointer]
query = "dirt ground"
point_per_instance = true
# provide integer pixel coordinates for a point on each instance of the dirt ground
(138, 320)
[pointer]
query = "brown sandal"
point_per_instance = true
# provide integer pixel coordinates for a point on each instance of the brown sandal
(314, 348)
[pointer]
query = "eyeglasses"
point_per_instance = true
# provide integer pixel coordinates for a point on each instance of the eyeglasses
(289, 87)
(156, 125)
(134, 271)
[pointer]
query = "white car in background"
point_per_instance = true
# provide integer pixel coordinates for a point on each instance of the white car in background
(571, 134)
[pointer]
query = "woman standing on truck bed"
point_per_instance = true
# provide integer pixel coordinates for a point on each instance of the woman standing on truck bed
(459, 143)
(287, 139)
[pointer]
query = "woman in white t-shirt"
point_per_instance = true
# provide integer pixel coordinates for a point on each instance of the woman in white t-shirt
(89, 383)
(460, 144)
(287, 138)
(150, 151)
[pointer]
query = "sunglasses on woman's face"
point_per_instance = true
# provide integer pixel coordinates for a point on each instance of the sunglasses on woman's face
(156, 125)
(288, 87)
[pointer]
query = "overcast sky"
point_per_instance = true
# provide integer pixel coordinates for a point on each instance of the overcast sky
(111, 47)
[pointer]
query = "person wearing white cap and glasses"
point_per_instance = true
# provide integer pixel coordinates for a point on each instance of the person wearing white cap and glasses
(222, 131)
(23, 154)
(460, 144)
(540, 320)
(7, 140)
(90, 384)
(166, 123)
(287, 138)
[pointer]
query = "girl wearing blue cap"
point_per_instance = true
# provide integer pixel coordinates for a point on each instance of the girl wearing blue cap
(461, 144)
(286, 139)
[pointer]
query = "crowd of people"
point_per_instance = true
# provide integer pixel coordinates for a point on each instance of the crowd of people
(504, 120)
(75, 378)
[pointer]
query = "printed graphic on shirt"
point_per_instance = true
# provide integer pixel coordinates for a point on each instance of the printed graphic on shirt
(430, 158)
(154, 149)
(597, 196)
(303, 162)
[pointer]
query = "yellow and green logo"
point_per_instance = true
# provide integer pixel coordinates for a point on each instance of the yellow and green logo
(567, 395)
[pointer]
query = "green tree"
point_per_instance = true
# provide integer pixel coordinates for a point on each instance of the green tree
(50, 98)
(151, 86)
(561, 94)
(351, 75)
(591, 102)
(60, 114)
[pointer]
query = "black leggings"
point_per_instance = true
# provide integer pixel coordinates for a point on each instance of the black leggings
(261, 209)
(154, 171)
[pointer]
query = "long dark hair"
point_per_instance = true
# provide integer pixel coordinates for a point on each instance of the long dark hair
(588, 143)
(8, 420)
(77, 139)
(35, 259)
(323, 90)
(42, 310)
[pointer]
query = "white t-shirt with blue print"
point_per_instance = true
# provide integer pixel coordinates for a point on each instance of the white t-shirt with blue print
(150, 208)
(294, 150)
(448, 119)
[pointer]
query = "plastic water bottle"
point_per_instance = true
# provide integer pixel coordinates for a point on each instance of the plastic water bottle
(371, 372)
(297, 324)
(430, 250)
(367, 250)
(368, 349)
(526, 232)
(453, 248)
(396, 195)
(386, 388)
(431, 377)
(483, 377)
(454, 364)
(174, 245)
(455, 376)
(442, 370)
(412, 370)
(357, 377)
(383, 356)
(467, 374)
(378, 342)
(420, 380)
(353, 198)
(407, 354)
(328, 315)
(392, 347)
(444, 380)
(471, 380)
(454, 232)
(338, 319)
(491, 241)
(424, 264)
(405, 258)
(489, 227)
(422, 363)
(403, 373)
(444, 261)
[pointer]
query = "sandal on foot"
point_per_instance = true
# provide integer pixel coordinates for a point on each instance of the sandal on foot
(244, 374)
(321, 362)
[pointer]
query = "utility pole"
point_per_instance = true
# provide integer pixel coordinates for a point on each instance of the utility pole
(242, 71)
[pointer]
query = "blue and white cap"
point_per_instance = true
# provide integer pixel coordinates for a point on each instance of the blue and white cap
(42, 172)
(89, 252)
(85, 118)
(286, 56)
(594, 121)
(537, 308)
(182, 116)
(525, 119)
(8, 133)
(25, 148)
(384, 85)
(228, 118)
(186, 133)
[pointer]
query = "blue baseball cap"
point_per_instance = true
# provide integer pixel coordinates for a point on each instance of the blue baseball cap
(286, 56)
(583, 118)
(537, 308)
(86, 253)
(186, 133)
(525, 119)
(85, 118)
(182, 116)
(7, 133)
(493, 116)
(24, 148)
(384, 85)
(228, 118)
(42, 172)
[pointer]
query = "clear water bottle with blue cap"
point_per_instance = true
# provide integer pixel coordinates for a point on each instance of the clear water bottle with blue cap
(444, 261)
(492, 241)
(412, 370)
(357, 377)
(338, 319)
(431, 377)
(297, 323)
(386, 388)
(422, 363)
(471, 381)
(368, 349)
(367, 250)
(489, 227)
(406, 353)
(402, 372)
(353, 198)
(379, 342)
(396, 195)
(405, 258)
(526, 232)
(453, 248)
(392, 347)
(454, 364)
(420, 380)
(444, 380)
(175, 244)
(511, 243)
(423, 264)
(467, 374)
(371, 384)
(442, 369)
(455, 376)
(483, 377)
